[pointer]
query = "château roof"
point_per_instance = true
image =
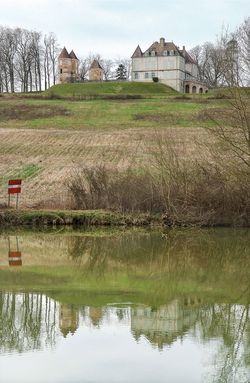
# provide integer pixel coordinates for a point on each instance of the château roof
(72, 55)
(137, 52)
(64, 54)
(160, 49)
(95, 65)
(187, 57)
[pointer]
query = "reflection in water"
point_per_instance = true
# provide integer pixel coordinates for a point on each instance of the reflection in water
(15, 256)
(163, 326)
(28, 322)
(35, 321)
(168, 289)
(69, 320)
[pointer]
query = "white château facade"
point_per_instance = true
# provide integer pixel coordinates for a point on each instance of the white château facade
(171, 65)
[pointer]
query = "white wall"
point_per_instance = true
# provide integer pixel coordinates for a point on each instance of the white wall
(169, 69)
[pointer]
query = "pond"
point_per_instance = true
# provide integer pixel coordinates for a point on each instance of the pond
(113, 305)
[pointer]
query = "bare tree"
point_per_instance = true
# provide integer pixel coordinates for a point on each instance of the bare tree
(108, 68)
(243, 37)
(53, 51)
(210, 63)
(83, 68)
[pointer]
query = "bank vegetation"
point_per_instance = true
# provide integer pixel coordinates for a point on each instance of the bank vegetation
(212, 189)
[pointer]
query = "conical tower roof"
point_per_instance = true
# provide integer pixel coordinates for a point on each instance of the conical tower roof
(72, 55)
(64, 54)
(137, 52)
(95, 64)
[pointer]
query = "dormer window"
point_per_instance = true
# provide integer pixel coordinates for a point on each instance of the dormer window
(165, 53)
(152, 53)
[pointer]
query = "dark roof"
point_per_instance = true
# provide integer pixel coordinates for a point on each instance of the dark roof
(137, 52)
(95, 65)
(72, 55)
(187, 57)
(160, 48)
(64, 54)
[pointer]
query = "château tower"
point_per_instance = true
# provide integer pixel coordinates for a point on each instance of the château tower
(68, 66)
(95, 71)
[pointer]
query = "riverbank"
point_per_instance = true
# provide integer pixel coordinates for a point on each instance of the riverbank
(10, 217)
(34, 218)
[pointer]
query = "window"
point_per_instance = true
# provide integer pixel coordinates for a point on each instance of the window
(136, 75)
(153, 53)
(61, 71)
(153, 74)
(146, 75)
(165, 53)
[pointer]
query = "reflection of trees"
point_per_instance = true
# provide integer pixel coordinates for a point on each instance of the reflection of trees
(204, 259)
(31, 321)
(28, 321)
(229, 323)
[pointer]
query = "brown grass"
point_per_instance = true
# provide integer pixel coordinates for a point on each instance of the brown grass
(29, 112)
(57, 152)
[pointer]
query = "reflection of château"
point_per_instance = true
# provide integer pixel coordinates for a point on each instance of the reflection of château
(163, 326)
(32, 321)
(68, 319)
(96, 315)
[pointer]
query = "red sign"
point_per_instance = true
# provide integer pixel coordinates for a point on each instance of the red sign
(14, 186)
(15, 258)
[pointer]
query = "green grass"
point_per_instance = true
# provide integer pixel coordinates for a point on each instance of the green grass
(111, 114)
(24, 172)
(110, 88)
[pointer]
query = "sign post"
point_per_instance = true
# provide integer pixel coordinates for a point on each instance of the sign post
(14, 187)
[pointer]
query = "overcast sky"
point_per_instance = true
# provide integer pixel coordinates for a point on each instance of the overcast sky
(114, 27)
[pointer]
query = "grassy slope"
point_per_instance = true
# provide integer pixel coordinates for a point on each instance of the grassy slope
(121, 88)
(42, 140)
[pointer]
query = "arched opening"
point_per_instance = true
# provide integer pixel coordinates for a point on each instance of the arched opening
(194, 89)
(187, 88)
(201, 90)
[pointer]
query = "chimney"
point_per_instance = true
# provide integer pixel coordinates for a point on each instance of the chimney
(162, 41)
(184, 49)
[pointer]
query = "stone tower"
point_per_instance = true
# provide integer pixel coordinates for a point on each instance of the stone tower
(68, 65)
(95, 71)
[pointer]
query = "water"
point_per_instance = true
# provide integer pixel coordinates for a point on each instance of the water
(125, 306)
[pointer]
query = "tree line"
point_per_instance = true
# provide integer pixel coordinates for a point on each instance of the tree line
(117, 69)
(28, 60)
(226, 61)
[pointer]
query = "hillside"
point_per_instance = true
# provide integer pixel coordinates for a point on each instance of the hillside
(110, 88)
(44, 140)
